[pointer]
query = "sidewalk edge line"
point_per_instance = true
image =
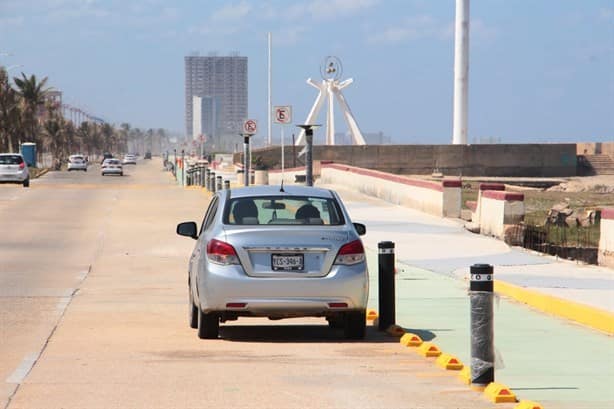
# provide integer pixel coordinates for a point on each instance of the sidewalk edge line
(590, 316)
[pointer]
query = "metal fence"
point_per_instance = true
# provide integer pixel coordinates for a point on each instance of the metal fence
(574, 243)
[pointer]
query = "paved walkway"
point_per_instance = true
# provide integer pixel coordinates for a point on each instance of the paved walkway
(542, 357)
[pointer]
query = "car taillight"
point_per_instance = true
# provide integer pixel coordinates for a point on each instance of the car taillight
(221, 252)
(351, 253)
(22, 165)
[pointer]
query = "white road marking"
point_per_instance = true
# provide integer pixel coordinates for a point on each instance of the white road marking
(24, 368)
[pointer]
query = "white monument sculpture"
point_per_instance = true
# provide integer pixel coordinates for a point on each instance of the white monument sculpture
(330, 86)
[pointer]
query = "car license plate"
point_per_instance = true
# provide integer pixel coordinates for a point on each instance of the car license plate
(287, 262)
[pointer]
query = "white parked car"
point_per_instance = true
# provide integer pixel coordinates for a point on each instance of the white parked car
(77, 162)
(129, 159)
(14, 169)
(112, 167)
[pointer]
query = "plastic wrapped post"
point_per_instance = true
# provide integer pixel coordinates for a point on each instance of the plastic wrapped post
(482, 325)
(386, 285)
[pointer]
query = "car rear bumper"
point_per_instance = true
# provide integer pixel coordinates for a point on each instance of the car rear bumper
(112, 171)
(17, 177)
(280, 297)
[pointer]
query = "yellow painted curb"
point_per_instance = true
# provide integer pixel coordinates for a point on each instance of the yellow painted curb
(429, 349)
(450, 362)
(499, 393)
(465, 375)
(411, 340)
(583, 314)
(395, 331)
(371, 315)
(528, 404)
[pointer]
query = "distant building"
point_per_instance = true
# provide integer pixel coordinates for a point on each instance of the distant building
(221, 83)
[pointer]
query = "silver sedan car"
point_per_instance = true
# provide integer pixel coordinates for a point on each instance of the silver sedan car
(266, 251)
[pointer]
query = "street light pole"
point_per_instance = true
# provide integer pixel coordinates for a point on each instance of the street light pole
(246, 155)
(308, 152)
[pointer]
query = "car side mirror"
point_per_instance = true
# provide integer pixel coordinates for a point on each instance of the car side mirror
(361, 229)
(187, 229)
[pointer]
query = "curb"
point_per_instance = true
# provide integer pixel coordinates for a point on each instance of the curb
(590, 316)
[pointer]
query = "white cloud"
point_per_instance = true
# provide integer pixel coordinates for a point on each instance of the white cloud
(233, 12)
(426, 27)
(607, 14)
(412, 28)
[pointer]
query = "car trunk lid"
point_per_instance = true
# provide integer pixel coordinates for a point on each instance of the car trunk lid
(285, 251)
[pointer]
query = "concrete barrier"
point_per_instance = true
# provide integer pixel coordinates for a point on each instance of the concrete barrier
(606, 238)
(499, 209)
(438, 198)
(475, 212)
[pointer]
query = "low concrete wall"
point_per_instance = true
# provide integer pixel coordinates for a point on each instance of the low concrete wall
(438, 198)
(499, 209)
(528, 160)
(606, 238)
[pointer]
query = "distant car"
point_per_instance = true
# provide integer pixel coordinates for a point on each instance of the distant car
(13, 169)
(129, 160)
(266, 252)
(147, 155)
(106, 156)
(112, 167)
(77, 162)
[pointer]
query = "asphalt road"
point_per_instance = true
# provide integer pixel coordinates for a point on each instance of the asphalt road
(93, 314)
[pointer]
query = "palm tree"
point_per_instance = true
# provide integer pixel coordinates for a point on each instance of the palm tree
(10, 113)
(33, 93)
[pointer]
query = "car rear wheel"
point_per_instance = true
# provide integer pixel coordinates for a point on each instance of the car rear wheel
(26, 183)
(192, 311)
(208, 325)
(355, 324)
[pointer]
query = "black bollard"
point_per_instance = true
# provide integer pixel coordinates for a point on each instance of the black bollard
(227, 184)
(482, 325)
(208, 179)
(218, 187)
(386, 285)
(212, 182)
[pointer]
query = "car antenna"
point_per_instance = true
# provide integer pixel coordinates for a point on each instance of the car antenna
(282, 187)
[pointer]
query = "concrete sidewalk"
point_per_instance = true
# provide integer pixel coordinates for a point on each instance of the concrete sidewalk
(546, 358)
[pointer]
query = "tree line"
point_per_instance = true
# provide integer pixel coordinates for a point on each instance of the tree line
(28, 115)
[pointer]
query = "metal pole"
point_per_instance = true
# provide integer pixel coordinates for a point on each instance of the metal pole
(246, 160)
(182, 167)
(283, 159)
(386, 285)
(461, 72)
(270, 107)
(482, 325)
(309, 157)
(175, 165)
(293, 152)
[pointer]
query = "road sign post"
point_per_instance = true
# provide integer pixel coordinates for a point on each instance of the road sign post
(250, 127)
(283, 116)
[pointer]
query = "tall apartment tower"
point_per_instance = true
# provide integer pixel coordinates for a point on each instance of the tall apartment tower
(221, 82)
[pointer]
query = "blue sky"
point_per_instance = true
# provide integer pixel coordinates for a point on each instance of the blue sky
(540, 70)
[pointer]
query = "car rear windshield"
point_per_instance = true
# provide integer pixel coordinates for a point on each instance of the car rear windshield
(11, 160)
(283, 210)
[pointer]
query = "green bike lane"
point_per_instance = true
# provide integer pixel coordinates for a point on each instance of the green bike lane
(540, 357)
